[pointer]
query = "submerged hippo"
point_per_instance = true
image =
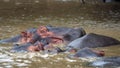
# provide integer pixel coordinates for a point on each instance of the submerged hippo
(87, 53)
(109, 62)
(25, 36)
(20, 48)
(92, 41)
(11, 40)
(28, 47)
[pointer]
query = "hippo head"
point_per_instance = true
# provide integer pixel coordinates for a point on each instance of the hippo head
(20, 48)
(27, 47)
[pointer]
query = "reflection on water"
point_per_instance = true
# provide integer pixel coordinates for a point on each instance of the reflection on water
(19, 15)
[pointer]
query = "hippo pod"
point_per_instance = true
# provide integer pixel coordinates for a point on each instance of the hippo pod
(33, 34)
(109, 62)
(92, 41)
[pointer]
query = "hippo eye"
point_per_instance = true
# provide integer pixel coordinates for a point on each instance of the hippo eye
(28, 36)
(49, 51)
(17, 44)
(42, 31)
(70, 46)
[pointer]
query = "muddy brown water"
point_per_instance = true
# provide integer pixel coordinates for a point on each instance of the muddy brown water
(17, 16)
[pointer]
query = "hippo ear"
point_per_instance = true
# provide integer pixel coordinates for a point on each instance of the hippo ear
(67, 37)
(23, 33)
(82, 31)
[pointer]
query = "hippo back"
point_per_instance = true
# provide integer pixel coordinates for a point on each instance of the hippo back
(92, 41)
(20, 48)
(86, 52)
(11, 40)
(109, 62)
(68, 34)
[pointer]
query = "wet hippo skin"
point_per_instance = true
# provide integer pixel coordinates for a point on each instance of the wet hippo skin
(111, 62)
(87, 53)
(17, 39)
(68, 34)
(92, 41)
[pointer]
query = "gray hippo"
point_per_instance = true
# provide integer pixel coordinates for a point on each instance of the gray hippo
(38, 46)
(23, 34)
(11, 40)
(69, 34)
(92, 41)
(87, 53)
(20, 47)
(98, 59)
(106, 62)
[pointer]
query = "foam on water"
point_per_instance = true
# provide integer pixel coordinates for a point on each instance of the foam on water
(21, 59)
(70, 60)
(99, 63)
(8, 60)
(25, 59)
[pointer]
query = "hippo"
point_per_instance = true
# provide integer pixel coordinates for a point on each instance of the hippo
(92, 40)
(20, 48)
(109, 62)
(68, 34)
(87, 53)
(17, 38)
(38, 46)
(28, 47)
(10, 40)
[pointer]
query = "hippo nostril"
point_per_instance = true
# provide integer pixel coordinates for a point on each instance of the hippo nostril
(17, 44)
(48, 50)
(101, 53)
